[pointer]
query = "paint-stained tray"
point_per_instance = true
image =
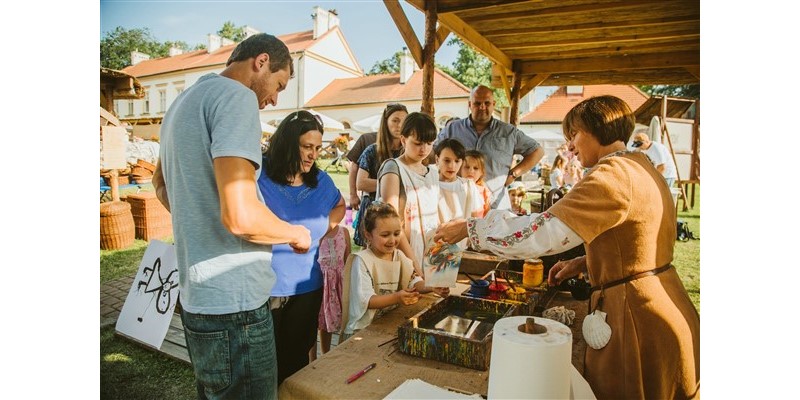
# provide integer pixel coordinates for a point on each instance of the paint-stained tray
(525, 302)
(457, 330)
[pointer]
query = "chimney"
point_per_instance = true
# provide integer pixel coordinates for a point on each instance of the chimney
(174, 51)
(324, 20)
(407, 66)
(137, 57)
(250, 31)
(214, 42)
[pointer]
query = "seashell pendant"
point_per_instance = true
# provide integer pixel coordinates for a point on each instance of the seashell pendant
(596, 332)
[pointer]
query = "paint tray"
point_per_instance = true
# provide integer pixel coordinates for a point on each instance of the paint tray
(456, 330)
(525, 303)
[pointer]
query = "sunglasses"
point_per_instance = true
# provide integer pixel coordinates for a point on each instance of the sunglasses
(392, 107)
(317, 118)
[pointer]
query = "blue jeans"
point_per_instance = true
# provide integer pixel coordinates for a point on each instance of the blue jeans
(233, 355)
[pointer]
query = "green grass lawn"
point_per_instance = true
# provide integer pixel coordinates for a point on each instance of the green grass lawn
(128, 371)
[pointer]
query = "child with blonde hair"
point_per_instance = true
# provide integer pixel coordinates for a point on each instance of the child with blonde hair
(516, 194)
(474, 169)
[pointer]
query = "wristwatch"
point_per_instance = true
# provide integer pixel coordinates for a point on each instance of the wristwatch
(512, 173)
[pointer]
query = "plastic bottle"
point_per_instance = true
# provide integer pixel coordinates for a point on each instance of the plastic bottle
(348, 216)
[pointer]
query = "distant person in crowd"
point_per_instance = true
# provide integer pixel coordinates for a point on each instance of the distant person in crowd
(380, 277)
(210, 158)
(298, 191)
(458, 197)
(622, 212)
(387, 146)
(334, 248)
(659, 155)
(497, 140)
(557, 173)
(573, 172)
(516, 194)
(474, 169)
(411, 187)
(352, 167)
(450, 121)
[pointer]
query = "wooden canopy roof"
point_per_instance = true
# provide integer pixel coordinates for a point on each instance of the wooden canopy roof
(579, 42)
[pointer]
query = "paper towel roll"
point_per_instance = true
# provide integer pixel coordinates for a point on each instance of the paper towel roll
(530, 366)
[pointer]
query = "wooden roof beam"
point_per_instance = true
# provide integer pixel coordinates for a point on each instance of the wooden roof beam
(532, 82)
(441, 34)
(467, 33)
(556, 11)
(532, 42)
(694, 70)
(406, 31)
(609, 49)
(638, 61)
(650, 23)
(475, 5)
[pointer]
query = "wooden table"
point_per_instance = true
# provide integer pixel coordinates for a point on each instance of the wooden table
(325, 377)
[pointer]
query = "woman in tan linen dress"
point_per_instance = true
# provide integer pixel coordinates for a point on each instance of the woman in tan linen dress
(623, 212)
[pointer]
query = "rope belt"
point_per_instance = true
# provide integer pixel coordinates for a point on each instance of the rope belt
(602, 288)
(631, 278)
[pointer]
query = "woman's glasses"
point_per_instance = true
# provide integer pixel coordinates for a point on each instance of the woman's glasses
(297, 116)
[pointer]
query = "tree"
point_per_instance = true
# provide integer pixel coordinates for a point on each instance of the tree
(116, 46)
(230, 31)
(472, 69)
(691, 91)
(390, 65)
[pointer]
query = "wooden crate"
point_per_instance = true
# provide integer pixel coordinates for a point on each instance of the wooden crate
(418, 337)
(476, 263)
(151, 219)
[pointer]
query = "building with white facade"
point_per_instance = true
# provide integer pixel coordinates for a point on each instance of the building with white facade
(320, 55)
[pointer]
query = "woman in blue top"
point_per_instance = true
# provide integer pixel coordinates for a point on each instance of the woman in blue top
(296, 190)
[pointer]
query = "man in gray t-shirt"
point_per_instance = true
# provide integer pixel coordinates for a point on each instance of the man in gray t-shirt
(210, 159)
(497, 140)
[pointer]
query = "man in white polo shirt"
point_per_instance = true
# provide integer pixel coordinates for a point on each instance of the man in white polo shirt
(658, 154)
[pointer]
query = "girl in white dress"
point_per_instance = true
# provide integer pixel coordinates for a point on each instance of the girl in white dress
(413, 188)
(458, 197)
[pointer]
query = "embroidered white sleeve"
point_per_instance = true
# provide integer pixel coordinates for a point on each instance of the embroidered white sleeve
(514, 237)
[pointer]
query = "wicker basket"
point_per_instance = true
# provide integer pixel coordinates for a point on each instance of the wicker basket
(121, 180)
(116, 225)
(151, 219)
(138, 171)
(146, 165)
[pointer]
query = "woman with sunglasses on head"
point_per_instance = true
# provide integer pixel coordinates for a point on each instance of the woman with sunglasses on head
(387, 145)
(622, 212)
(297, 191)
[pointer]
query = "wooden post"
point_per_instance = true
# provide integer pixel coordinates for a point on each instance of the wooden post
(114, 183)
(665, 132)
(427, 57)
(513, 118)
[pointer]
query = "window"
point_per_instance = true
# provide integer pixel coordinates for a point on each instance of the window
(146, 103)
(130, 107)
(577, 90)
(162, 101)
(116, 108)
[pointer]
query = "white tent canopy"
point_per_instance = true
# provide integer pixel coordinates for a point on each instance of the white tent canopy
(265, 127)
(369, 124)
(328, 122)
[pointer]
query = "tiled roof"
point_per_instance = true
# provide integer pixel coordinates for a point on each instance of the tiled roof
(555, 107)
(386, 87)
(296, 42)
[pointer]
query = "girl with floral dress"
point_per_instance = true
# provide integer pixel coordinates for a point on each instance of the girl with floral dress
(334, 248)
